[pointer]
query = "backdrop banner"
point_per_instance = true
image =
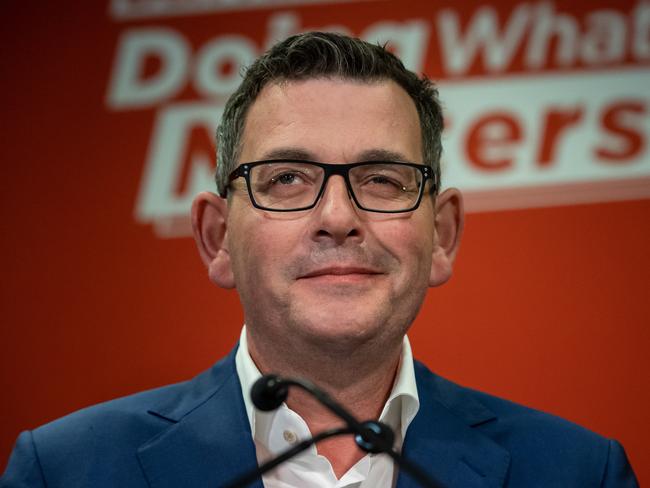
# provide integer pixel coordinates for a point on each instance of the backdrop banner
(109, 116)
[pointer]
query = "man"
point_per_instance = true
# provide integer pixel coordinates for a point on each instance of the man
(331, 228)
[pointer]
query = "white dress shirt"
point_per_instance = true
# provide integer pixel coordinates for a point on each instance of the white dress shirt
(276, 431)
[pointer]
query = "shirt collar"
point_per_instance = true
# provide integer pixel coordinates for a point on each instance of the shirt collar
(399, 410)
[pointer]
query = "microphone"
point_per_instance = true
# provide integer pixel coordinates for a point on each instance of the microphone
(270, 391)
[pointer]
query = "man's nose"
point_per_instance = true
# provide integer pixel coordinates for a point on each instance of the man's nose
(336, 216)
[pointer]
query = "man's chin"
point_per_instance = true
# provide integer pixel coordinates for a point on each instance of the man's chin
(339, 314)
(341, 325)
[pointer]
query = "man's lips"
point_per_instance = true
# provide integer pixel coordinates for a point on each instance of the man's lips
(340, 271)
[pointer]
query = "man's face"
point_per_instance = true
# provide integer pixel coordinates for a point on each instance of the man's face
(332, 274)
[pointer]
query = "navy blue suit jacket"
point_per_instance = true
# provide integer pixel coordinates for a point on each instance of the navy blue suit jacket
(196, 434)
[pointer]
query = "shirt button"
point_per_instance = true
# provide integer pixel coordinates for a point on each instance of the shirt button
(289, 436)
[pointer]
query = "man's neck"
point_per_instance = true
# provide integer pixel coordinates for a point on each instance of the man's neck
(361, 382)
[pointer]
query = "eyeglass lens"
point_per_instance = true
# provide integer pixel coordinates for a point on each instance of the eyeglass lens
(290, 185)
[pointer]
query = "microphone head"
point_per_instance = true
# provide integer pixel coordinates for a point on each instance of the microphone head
(385, 437)
(269, 392)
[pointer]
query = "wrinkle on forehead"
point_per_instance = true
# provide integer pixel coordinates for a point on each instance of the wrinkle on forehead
(368, 155)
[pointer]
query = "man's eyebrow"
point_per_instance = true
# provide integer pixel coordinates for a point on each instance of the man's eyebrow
(289, 153)
(383, 155)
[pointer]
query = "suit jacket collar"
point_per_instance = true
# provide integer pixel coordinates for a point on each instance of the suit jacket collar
(208, 441)
(444, 441)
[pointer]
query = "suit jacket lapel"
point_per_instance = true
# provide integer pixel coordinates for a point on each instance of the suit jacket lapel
(443, 439)
(208, 442)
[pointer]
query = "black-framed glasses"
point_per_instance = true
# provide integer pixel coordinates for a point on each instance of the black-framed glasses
(290, 185)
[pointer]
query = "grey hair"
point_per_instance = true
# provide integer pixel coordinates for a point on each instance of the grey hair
(324, 54)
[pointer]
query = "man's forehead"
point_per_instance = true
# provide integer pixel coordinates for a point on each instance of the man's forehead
(292, 119)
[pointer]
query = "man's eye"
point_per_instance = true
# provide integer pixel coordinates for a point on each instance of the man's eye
(286, 179)
(383, 180)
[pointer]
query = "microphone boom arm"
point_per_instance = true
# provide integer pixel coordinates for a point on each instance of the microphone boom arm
(268, 393)
(248, 478)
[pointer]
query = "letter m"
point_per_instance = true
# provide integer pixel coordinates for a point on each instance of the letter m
(481, 35)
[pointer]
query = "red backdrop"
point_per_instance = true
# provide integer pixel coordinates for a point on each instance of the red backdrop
(549, 302)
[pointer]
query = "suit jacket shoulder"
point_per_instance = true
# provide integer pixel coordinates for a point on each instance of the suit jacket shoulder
(193, 433)
(489, 441)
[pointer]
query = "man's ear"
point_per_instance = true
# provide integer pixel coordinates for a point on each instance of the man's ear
(209, 224)
(449, 227)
